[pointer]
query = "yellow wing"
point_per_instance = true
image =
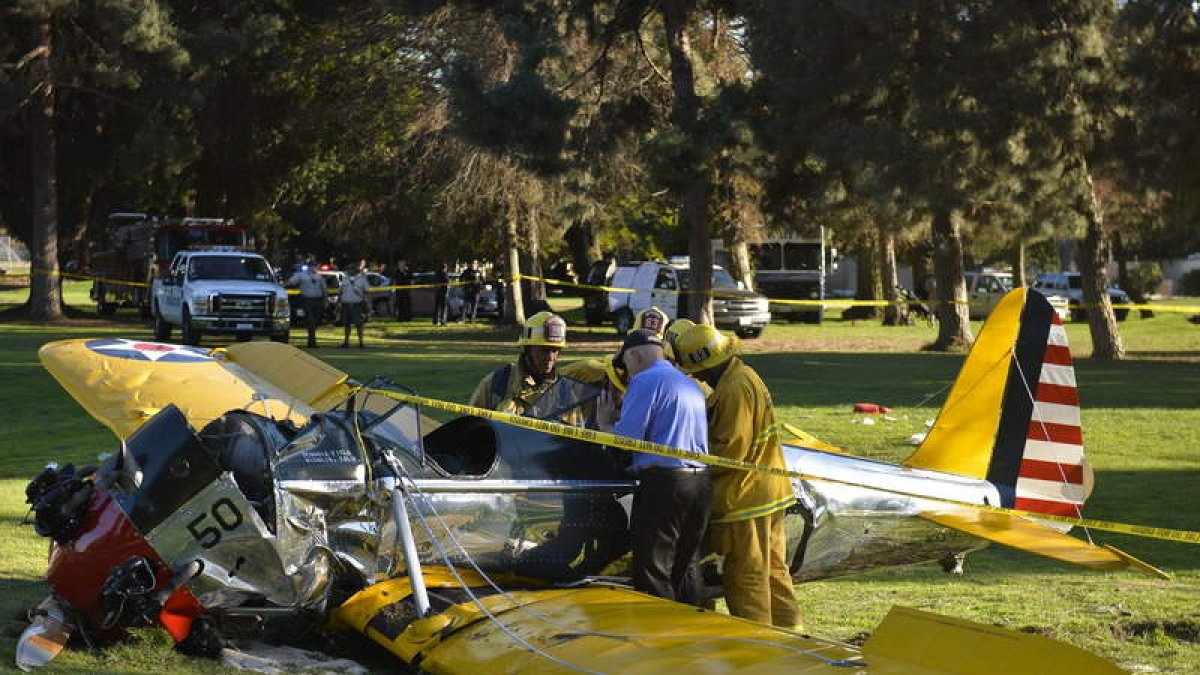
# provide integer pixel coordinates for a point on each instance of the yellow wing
(1027, 535)
(599, 628)
(122, 383)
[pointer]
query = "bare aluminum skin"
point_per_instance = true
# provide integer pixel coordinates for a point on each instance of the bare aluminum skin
(518, 502)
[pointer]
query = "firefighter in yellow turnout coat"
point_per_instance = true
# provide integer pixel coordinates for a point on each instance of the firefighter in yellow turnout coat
(536, 386)
(747, 508)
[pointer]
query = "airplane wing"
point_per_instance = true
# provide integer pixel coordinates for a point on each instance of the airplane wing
(122, 383)
(606, 629)
(1024, 534)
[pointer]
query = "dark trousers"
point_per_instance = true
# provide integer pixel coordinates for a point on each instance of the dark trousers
(313, 309)
(403, 305)
(440, 310)
(470, 306)
(670, 513)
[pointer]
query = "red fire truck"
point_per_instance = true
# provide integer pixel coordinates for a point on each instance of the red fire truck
(140, 247)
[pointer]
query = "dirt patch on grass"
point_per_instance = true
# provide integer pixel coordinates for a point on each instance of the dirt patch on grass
(1182, 631)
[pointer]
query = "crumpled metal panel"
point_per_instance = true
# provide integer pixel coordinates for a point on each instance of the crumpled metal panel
(241, 560)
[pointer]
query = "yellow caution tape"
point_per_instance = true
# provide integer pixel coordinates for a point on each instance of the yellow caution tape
(839, 302)
(638, 445)
(717, 293)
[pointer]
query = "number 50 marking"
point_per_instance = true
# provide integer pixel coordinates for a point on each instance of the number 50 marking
(227, 516)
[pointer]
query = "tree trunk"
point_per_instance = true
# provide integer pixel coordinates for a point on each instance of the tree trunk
(896, 313)
(739, 258)
(585, 249)
(45, 300)
(1106, 341)
(684, 115)
(537, 288)
(919, 260)
(1135, 291)
(514, 306)
(868, 283)
(954, 321)
(1018, 264)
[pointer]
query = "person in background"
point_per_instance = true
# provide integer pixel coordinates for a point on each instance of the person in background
(747, 508)
(672, 500)
(473, 278)
(354, 301)
(403, 295)
(312, 296)
(440, 295)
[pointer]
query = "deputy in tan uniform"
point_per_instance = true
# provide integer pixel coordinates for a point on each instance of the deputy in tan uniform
(747, 508)
(536, 386)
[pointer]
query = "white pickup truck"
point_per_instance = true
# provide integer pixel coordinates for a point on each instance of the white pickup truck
(664, 285)
(220, 291)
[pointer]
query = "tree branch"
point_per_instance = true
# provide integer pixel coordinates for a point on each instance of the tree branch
(646, 56)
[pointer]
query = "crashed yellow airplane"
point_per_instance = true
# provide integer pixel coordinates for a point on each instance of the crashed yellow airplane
(481, 546)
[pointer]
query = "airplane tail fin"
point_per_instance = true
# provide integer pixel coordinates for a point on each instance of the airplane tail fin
(1012, 417)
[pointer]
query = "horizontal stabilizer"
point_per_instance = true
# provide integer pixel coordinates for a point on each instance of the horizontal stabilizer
(807, 440)
(1024, 534)
(944, 644)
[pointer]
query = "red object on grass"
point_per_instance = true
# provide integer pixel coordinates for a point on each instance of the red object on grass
(871, 409)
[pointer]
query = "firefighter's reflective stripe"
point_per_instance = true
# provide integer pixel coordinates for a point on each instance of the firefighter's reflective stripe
(742, 427)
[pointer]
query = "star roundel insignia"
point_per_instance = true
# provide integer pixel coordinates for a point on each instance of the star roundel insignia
(138, 350)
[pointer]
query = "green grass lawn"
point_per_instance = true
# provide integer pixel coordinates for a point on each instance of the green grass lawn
(1140, 416)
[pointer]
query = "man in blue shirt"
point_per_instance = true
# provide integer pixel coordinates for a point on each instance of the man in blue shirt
(671, 504)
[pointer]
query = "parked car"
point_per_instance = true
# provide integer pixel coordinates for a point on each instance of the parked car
(986, 287)
(658, 284)
(491, 301)
(381, 295)
(218, 291)
(984, 290)
(1069, 285)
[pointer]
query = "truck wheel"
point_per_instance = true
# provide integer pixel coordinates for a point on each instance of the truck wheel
(623, 321)
(106, 308)
(748, 333)
(813, 317)
(162, 329)
(190, 334)
(1120, 314)
(281, 337)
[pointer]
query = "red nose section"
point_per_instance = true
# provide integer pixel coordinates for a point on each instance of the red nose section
(106, 539)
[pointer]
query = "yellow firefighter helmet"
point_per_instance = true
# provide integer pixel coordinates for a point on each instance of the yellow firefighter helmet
(677, 327)
(701, 347)
(616, 374)
(546, 329)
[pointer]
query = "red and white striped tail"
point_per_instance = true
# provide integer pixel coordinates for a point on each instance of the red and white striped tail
(1053, 475)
